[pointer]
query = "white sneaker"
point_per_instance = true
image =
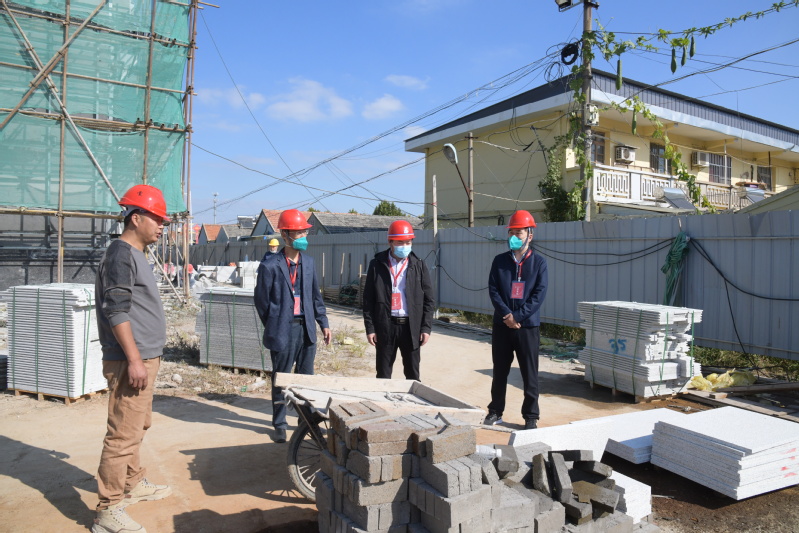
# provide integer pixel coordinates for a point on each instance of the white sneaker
(115, 520)
(146, 492)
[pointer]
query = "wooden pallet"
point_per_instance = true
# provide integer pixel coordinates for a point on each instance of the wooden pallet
(616, 393)
(717, 399)
(67, 400)
(238, 369)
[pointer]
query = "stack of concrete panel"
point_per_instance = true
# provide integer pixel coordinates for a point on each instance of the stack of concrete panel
(635, 498)
(3, 370)
(231, 333)
(736, 452)
(247, 274)
(641, 349)
(630, 434)
(53, 345)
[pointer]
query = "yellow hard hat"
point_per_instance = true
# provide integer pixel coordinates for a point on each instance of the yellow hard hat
(274, 242)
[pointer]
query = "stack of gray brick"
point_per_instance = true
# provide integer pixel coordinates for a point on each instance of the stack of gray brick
(414, 473)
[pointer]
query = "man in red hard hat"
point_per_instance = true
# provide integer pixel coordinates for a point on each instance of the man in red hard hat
(132, 330)
(517, 286)
(288, 301)
(398, 303)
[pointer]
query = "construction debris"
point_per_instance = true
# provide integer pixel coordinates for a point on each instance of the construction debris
(415, 473)
(735, 452)
(641, 349)
(53, 344)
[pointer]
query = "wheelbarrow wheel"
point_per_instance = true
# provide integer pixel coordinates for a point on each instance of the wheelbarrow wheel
(304, 458)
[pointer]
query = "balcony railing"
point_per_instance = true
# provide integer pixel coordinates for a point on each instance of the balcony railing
(634, 186)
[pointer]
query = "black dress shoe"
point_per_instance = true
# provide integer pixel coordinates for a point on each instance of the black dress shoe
(280, 435)
(531, 423)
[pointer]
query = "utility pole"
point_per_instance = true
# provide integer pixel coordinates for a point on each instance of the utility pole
(588, 6)
(471, 179)
(215, 195)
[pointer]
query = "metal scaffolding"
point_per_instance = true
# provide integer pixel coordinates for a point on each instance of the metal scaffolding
(107, 83)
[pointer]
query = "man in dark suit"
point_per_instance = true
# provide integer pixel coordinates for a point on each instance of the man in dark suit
(398, 303)
(517, 286)
(288, 301)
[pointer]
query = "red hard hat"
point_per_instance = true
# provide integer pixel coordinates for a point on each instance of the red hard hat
(521, 219)
(400, 230)
(146, 197)
(292, 220)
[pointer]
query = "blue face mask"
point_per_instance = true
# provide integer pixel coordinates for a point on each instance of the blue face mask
(515, 243)
(402, 251)
(300, 244)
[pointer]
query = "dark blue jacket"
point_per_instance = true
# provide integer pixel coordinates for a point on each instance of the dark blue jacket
(275, 301)
(526, 311)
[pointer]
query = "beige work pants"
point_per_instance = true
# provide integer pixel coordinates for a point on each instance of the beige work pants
(129, 417)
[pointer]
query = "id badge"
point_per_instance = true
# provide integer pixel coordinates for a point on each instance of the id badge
(396, 301)
(296, 305)
(517, 290)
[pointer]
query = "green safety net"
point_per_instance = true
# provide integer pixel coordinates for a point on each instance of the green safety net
(30, 144)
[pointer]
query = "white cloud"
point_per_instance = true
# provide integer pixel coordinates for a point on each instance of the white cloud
(309, 101)
(412, 131)
(230, 97)
(407, 82)
(383, 107)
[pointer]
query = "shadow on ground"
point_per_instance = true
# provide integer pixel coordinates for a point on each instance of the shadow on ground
(48, 472)
(285, 520)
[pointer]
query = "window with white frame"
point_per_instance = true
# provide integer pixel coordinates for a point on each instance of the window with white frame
(720, 168)
(657, 159)
(598, 148)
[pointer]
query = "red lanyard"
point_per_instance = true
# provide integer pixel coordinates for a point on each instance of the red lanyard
(520, 264)
(293, 276)
(403, 264)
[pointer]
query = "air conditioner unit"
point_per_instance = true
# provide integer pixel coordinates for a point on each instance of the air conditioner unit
(625, 154)
(700, 159)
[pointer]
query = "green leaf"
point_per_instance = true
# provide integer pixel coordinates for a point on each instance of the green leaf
(618, 75)
(693, 46)
(673, 60)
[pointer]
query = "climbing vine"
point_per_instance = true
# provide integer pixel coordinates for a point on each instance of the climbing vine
(682, 44)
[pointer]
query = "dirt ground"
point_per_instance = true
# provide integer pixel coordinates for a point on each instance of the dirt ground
(212, 443)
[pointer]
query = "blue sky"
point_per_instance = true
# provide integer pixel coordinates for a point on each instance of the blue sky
(324, 77)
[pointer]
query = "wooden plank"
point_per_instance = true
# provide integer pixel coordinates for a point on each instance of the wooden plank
(706, 397)
(766, 387)
(343, 384)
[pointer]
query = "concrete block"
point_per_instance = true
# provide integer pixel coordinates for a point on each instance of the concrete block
(451, 443)
(607, 483)
(324, 492)
(552, 520)
(337, 473)
(477, 524)
(578, 513)
(474, 473)
(416, 515)
(540, 475)
(342, 452)
(528, 451)
(417, 527)
(362, 493)
(353, 425)
(332, 436)
(434, 525)
(378, 517)
(419, 439)
(323, 519)
(593, 467)
(600, 499)
(452, 511)
(515, 510)
(450, 420)
(561, 483)
(506, 462)
(367, 467)
(415, 466)
(384, 448)
(384, 431)
(613, 523)
(488, 473)
(582, 475)
(576, 455)
(522, 475)
(442, 477)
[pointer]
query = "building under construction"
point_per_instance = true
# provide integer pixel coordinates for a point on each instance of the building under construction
(95, 97)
